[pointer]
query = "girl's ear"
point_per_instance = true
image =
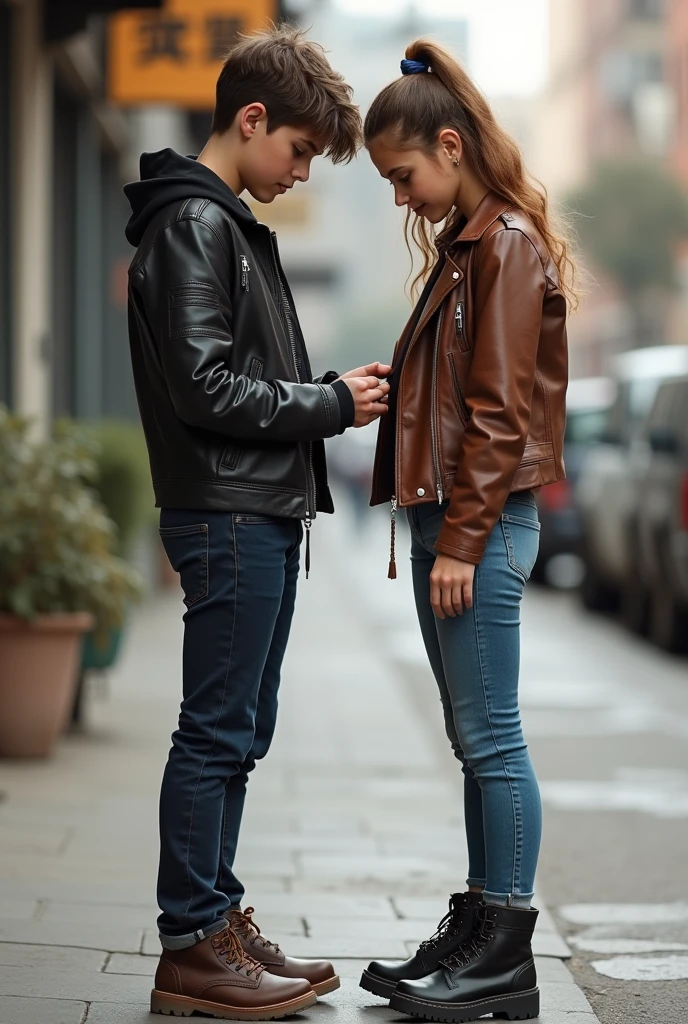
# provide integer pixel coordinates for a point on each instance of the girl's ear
(451, 143)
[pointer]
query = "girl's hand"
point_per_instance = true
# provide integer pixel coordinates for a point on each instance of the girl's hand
(451, 586)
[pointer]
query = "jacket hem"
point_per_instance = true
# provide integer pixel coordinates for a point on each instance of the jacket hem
(216, 496)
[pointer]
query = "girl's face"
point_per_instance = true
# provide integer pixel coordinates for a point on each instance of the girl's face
(426, 184)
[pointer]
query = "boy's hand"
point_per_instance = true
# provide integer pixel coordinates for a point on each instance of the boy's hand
(451, 586)
(372, 370)
(369, 396)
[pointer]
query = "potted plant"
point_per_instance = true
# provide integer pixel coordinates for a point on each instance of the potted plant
(122, 481)
(59, 578)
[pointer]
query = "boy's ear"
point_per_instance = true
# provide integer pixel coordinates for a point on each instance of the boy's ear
(250, 117)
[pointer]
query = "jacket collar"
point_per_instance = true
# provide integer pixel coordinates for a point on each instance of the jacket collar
(491, 207)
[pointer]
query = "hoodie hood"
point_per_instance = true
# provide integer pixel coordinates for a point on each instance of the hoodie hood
(167, 177)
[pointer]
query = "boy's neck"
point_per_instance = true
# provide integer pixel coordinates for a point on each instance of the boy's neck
(218, 155)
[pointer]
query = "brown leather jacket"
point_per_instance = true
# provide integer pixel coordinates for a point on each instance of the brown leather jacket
(477, 404)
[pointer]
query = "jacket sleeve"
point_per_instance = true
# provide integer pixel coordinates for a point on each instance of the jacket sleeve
(190, 313)
(510, 291)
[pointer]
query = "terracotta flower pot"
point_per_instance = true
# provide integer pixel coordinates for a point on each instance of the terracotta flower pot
(38, 667)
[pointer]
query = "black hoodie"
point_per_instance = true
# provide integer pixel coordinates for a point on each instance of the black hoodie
(232, 417)
(166, 177)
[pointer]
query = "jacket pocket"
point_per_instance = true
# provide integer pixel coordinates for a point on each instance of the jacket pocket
(187, 550)
(456, 387)
(232, 452)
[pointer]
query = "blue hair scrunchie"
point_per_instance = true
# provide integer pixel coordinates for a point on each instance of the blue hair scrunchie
(414, 67)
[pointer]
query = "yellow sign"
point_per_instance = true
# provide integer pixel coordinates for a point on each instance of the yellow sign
(174, 55)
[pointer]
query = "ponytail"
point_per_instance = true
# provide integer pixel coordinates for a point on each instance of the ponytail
(416, 107)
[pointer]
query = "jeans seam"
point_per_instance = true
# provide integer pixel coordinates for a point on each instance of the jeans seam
(517, 822)
(224, 840)
(217, 720)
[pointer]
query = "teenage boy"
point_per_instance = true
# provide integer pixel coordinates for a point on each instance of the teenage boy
(235, 427)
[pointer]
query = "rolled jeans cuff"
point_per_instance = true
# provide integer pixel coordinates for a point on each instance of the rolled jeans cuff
(191, 938)
(478, 883)
(516, 900)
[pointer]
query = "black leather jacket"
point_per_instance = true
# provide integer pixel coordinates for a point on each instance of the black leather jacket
(232, 419)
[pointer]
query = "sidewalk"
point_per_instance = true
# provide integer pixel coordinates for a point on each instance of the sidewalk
(348, 851)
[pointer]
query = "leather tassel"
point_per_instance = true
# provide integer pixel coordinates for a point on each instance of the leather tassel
(392, 572)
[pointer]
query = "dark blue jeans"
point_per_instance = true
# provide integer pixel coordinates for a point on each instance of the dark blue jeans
(475, 660)
(239, 574)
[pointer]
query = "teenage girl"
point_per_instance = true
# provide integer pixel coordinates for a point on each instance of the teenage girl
(476, 424)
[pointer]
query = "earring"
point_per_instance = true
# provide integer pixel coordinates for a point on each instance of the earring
(456, 161)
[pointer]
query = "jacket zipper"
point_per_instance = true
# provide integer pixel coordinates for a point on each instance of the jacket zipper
(244, 273)
(458, 317)
(310, 486)
(434, 429)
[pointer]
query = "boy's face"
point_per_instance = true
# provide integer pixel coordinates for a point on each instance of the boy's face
(271, 162)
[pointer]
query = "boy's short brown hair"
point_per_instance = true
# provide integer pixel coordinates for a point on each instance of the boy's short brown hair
(293, 78)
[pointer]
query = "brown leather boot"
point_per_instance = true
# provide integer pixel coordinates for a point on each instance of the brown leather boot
(320, 973)
(216, 977)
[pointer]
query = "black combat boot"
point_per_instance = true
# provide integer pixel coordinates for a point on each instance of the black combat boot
(493, 972)
(381, 977)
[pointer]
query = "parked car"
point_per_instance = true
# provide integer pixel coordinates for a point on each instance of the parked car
(608, 488)
(662, 517)
(588, 401)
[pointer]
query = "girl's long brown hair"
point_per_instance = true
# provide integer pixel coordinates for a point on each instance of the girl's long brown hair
(415, 109)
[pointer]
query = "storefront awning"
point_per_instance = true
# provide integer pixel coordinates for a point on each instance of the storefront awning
(62, 18)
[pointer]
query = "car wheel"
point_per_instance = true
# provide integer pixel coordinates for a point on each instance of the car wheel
(635, 607)
(668, 622)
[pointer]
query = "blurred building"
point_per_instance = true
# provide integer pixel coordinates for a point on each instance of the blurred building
(68, 142)
(610, 96)
(677, 57)
(608, 93)
(62, 255)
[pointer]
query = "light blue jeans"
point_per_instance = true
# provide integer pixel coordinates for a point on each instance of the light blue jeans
(475, 660)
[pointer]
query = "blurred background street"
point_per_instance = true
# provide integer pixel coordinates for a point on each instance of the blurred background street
(596, 94)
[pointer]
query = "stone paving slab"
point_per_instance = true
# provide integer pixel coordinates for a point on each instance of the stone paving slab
(59, 958)
(384, 869)
(75, 892)
(126, 963)
(98, 913)
(108, 937)
(81, 985)
(19, 909)
(334, 905)
(23, 1010)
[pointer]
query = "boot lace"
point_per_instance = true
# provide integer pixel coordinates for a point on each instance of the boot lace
(447, 926)
(245, 925)
(474, 946)
(227, 946)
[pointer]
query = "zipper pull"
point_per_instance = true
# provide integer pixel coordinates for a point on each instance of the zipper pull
(392, 574)
(458, 316)
(308, 524)
(440, 494)
(244, 273)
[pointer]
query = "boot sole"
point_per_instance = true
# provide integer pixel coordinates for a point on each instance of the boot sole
(520, 1006)
(322, 988)
(184, 1006)
(378, 986)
